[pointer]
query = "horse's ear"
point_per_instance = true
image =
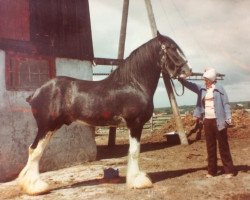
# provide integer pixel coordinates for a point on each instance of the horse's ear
(158, 34)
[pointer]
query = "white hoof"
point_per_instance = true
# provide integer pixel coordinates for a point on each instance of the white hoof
(32, 185)
(139, 181)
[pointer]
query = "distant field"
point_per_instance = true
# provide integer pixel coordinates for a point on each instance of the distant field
(185, 108)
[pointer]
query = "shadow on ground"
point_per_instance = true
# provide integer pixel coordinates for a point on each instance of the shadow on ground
(117, 151)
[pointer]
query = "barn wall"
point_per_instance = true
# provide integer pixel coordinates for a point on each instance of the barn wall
(14, 20)
(61, 28)
(70, 145)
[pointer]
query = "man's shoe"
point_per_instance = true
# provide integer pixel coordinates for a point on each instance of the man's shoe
(229, 176)
(209, 176)
(220, 172)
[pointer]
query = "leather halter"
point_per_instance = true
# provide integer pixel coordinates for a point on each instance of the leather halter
(166, 55)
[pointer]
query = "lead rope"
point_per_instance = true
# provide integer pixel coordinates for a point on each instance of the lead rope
(172, 83)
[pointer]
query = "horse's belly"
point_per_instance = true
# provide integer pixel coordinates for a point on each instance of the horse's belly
(114, 121)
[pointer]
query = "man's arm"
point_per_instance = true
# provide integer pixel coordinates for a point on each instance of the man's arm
(191, 86)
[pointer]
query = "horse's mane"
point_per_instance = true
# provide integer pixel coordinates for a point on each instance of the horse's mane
(142, 56)
(140, 59)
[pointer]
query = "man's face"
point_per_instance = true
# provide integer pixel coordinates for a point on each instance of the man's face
(208, 82)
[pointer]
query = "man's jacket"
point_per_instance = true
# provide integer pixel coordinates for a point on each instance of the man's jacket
(221, 103)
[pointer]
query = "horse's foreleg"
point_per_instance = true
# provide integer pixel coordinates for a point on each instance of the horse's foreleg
(29, 178)
(136, 178)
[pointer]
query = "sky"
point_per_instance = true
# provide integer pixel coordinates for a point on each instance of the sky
(214, 33)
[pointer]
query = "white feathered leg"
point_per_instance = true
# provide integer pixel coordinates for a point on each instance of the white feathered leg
(136, 178)
(29, 178)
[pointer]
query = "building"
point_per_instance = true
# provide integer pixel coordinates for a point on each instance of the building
(38, 41)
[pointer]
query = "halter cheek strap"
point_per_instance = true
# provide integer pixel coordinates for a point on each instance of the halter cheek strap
(165, 54)
(163, 59)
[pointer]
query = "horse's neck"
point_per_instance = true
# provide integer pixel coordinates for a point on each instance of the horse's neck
(149, 77)
(143, 73)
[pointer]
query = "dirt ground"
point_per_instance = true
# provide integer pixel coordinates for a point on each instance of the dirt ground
(177, 171)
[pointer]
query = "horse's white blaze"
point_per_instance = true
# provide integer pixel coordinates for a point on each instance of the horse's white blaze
(29, 179)
(136, 178)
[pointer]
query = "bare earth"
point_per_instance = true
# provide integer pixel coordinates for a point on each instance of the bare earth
(177, 171)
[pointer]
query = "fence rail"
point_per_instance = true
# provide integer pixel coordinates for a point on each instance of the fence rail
(155, 123)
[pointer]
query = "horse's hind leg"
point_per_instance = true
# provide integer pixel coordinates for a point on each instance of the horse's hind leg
(135, 177)
(29, 179)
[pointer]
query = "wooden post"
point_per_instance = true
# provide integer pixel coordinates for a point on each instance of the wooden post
(175, 109)
(112, 130)
(166, 78)
(151, 17)
(123, 29)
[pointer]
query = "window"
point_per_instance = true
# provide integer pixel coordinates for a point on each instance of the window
(25, 72)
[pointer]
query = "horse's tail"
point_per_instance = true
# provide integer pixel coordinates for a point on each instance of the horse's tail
(37, 92)
(29, 98)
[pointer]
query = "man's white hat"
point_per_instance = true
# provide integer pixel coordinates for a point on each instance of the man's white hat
(210, 74)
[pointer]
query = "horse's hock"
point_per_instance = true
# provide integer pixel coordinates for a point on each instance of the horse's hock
(70, 145)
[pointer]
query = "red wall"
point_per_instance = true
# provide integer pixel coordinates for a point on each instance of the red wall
(14, 20)
(57, 28)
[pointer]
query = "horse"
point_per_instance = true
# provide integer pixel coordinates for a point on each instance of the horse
(125, 96)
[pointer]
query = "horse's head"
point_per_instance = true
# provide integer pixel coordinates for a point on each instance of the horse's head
(172, 59)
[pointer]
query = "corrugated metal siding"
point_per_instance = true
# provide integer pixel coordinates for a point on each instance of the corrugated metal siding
(14, 20)
(61, 28)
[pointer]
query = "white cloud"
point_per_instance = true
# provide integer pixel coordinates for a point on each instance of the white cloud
(214, 33)
(238, 91)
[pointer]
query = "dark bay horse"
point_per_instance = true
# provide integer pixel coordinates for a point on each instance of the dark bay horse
(126, 96)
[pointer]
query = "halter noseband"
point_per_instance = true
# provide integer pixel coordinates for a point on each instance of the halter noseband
(163, 63)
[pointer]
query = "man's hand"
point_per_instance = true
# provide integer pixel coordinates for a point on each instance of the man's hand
(184, 76)
(229, 121)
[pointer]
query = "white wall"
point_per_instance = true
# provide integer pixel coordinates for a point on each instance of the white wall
(74, 68)
(2, 76)
(70, 145)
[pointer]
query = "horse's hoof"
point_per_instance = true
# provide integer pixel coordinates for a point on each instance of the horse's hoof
(140, 181)
(33, 187)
